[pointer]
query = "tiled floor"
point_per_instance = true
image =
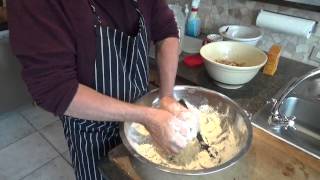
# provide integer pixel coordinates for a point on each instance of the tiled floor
(32, 146)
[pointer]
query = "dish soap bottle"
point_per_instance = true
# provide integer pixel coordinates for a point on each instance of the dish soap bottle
(194, 22)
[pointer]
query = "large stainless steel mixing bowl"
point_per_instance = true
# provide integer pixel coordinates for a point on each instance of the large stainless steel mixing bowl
(237, 121)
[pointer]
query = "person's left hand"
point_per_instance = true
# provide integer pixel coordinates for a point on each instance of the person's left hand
(191, 118)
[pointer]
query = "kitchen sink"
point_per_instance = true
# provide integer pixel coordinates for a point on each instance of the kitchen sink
(309, 89)
(304, 104)
(306, 113)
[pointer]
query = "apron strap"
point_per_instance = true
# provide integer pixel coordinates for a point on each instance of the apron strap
(135, 4)
(98, 18)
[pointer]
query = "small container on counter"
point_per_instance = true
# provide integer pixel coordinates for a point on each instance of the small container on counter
(212, 38)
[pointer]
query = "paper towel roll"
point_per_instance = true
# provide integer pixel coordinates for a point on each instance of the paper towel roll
(285, 24)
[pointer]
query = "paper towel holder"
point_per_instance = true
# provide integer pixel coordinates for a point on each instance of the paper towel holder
(313, 29)
(297, 4)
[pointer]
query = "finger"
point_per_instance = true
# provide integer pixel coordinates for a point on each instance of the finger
(179, 141)
(171, 105)
(164, 148)
(168, 148)
(175, 149)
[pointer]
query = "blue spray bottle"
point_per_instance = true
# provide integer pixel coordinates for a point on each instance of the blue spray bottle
(193, 24)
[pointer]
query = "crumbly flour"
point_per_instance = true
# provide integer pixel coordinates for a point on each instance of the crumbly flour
(220, 139)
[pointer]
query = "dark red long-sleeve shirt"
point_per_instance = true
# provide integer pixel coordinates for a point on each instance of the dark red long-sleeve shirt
(55, 41)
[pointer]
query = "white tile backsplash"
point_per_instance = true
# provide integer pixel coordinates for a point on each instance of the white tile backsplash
(216, 13)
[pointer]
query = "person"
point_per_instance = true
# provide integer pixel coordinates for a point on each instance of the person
(87, 62)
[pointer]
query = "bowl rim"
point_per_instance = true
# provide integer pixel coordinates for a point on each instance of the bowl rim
(241, 39)
(238, 68)
(207, 171)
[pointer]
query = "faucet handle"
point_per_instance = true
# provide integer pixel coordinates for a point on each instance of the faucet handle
(290, 122)
(278, 119)
(272, 101)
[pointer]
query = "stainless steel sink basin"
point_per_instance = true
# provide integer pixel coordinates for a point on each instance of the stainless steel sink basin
(309, 89)
(304, 104)
(307, 115)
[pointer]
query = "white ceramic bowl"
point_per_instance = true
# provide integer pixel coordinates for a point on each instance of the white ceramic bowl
(251, 57)
(245, 34)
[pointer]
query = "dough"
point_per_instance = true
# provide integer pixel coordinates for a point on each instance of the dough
(222, 145)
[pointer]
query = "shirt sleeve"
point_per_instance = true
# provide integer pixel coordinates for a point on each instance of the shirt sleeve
(163, 24)
(41, 38)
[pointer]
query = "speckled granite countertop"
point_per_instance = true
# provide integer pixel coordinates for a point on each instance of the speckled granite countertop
(253, 95)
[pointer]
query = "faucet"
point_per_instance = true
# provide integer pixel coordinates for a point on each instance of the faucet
(280, 119)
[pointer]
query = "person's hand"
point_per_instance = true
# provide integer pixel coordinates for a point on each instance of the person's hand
(191, 117)
(167, 131)
(170, 104)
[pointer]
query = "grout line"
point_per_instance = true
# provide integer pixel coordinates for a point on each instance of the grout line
(67, 159)
(42, 135)
(49, 161)
(31, 133)
(61, 154)
(16, 112)
(24, 117)
(35, 130)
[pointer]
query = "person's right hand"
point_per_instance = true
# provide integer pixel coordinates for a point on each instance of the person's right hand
(167, 131)
(191, 117)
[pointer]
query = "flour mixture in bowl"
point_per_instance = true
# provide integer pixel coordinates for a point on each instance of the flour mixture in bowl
(215, 133)
(230, 63)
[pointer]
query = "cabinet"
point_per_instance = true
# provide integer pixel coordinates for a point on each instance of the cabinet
(3, 15)
(13, 92)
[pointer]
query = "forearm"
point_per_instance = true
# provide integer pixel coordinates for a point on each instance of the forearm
(167, 58)
(89, 104)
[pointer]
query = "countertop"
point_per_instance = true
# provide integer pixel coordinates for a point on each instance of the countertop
(253, 95)
(269, 157)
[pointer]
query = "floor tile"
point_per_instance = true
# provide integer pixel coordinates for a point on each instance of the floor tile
(66, 155)
(57, 169)
(54, 134)
(7, 114)
(13, 127)
(38, 117)
(25, 156)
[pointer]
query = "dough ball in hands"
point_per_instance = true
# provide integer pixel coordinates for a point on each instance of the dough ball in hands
(191, 120)
(170, 104)
(190, 117)
(167, 131)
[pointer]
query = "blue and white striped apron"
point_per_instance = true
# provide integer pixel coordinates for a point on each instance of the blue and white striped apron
(121, 71)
